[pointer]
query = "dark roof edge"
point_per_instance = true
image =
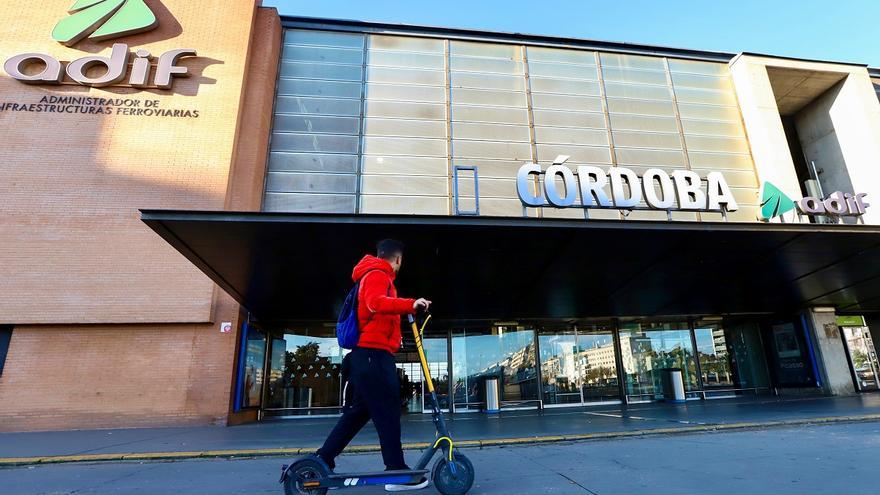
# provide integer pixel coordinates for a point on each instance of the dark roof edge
(502, 37)
(533, 39)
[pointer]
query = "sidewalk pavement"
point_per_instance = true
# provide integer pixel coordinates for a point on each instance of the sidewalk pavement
(285, 437)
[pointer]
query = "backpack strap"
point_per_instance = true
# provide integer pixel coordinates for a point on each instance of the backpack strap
(360, 291)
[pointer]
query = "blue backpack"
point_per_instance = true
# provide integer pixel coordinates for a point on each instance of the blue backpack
(347, 331)
(347, 328)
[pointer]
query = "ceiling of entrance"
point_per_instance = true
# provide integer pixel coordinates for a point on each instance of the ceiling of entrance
(795, 88)
(297, 266)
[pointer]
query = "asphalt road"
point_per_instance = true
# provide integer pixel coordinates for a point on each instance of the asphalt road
(832, 459)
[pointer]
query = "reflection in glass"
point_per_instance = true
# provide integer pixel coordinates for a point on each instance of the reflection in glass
(598, 364)
(254, 356)
(863, 357)
(715, 363)
(305, 372)
(506, 352)
(649, 348)
(413, 390)
(747, 355)
(559, 367)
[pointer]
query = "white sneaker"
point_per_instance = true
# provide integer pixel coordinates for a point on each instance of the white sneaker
(407, 487)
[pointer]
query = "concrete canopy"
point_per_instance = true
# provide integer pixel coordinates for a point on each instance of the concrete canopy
(288, 266)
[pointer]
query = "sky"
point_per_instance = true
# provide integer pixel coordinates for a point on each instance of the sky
(837, 30)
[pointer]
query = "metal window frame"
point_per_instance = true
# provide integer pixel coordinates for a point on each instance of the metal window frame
(455, 196)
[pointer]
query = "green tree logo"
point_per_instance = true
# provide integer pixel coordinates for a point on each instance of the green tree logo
(104, 19)
(774, 202)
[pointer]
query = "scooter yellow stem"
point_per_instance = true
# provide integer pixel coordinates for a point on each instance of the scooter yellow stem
(417, 333)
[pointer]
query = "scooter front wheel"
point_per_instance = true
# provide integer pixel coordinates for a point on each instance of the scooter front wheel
(301, 472)
(448, 482)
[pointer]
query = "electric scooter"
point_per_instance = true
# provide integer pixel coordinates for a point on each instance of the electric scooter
(452, 474)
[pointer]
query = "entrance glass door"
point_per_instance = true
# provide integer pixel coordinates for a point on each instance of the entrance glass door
(560, 376)
(502, 351)
(413, 388)
(649, 348)
(598, 363)
(305, 373)
(863, 357)
(715, 365)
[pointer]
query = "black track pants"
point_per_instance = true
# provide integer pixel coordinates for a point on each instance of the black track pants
(375, 394)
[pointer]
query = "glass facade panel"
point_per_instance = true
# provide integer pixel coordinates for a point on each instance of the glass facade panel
(312, 162)
(698, 67)
(487, 81)
(381, 100)
(408, 146)
(631, 61)
(544, 85)
(496, 66)
(617, 74)
(325, 72)
(579, 364)
(317, 124)
(560, 382)
(715, 365)
(595, 137)
(641, 107)
(407, 60)
(625, 122)
(316, 106)
(405, 43)
(405, 128)
(310, 183)
(494, 132)
(569, 119)
(321, 54)
(404, 110)
(561, 55)
(566, 102)
(405, 76)
(653, 140)
(545, 69)
(305, 373)
(253, 364)
(320, 143)
(505, 352)
(307, 202)
(646, 92)
(322, 38)
(648, 349)
(598, 366)
(309, 87)
(399, 92)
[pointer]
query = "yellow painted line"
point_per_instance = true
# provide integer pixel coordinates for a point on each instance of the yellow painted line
(493, 442)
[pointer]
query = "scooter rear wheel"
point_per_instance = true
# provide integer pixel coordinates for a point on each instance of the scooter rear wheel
(304, 470)
(448, 483)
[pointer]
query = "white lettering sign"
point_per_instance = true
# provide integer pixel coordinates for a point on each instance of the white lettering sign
(560, 187)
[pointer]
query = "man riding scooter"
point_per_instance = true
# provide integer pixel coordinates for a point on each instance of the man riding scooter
(369, 373)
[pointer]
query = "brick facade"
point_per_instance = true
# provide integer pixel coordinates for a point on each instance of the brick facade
(113, 327)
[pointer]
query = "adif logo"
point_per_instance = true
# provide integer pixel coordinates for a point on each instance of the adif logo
(100, 20)
(103, 20)
(775, 203)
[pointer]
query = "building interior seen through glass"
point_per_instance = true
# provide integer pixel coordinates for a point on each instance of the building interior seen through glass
(368, 123)
(537, 364)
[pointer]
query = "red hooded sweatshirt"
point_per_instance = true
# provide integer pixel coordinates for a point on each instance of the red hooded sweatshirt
(379, 308)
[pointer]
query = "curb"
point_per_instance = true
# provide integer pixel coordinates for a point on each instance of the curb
(495, 442)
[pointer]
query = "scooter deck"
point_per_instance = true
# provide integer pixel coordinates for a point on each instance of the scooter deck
(412, 472)
(373, 478)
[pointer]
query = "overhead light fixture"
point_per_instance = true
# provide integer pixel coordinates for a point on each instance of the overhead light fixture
(824, 309)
